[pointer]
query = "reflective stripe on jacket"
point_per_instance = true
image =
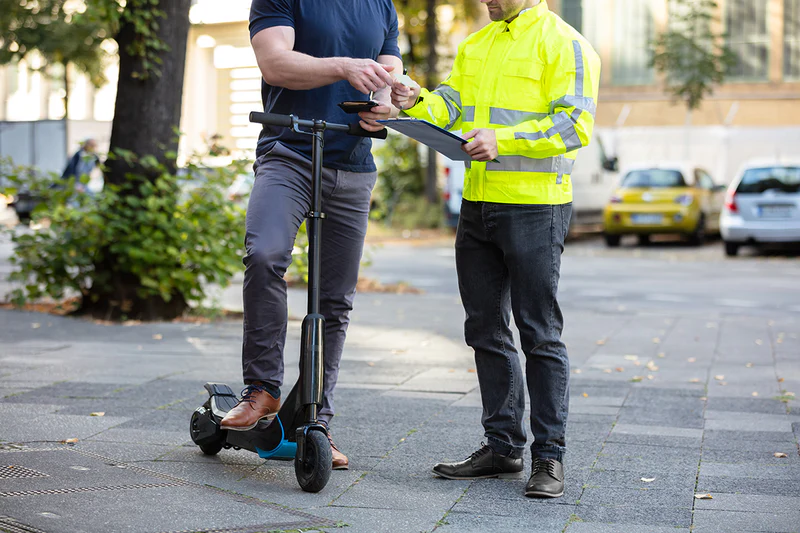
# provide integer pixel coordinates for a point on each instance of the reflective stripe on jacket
(535, 82)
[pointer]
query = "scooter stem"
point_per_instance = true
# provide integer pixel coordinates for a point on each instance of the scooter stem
(313, 334)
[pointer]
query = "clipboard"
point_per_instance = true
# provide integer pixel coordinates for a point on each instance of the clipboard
(441, 140)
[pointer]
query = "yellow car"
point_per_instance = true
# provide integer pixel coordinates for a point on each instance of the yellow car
(663, 198)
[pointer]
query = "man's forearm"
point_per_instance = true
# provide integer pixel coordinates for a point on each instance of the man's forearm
(299, 72)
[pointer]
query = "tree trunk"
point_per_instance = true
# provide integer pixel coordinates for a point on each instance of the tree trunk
(148, 111)
(146, 118)
(432, 81)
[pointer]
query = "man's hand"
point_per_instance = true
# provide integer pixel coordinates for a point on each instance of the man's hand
(404, 96)
(366, 75)
(483, 146)
(368, 118)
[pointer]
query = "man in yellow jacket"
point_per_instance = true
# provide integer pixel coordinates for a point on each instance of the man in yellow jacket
(524, 90)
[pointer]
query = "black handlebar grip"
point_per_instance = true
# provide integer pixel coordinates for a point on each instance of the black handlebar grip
(357, 130)
(271, 119)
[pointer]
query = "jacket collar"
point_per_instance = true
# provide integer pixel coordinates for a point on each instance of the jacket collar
(525, 20)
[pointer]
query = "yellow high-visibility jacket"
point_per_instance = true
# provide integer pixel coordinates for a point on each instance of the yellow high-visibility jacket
(535, 82)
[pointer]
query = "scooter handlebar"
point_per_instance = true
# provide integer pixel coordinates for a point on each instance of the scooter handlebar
(287, 121)
(357, 130)
(271, 119)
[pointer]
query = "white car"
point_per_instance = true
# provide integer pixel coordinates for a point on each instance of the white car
(762, 205)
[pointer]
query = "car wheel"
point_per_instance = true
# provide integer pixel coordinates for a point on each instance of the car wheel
(612, 241)
(698, 236)
(731, 249)
(644, 240)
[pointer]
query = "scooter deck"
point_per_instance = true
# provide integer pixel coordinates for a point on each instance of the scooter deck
(273, 438)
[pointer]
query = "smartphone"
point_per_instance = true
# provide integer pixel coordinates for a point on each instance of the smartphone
(358, 107)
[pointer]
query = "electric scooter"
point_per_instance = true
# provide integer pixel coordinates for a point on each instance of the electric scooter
(295, 433)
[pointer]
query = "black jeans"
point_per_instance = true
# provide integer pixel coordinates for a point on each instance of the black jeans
(508, 259)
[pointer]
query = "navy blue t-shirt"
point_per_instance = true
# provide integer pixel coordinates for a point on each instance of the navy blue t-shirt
(326, 28)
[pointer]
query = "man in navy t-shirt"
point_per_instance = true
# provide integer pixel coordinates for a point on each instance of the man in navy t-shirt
(313, 54)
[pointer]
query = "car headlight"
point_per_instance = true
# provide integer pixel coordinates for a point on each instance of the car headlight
(684, 200)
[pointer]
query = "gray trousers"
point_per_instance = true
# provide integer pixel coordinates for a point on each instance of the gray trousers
(279, 202)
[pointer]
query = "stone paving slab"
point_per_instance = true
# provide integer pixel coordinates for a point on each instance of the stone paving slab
(750, 521)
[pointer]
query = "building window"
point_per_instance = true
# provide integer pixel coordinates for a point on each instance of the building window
(791, 42)
(748, 37)
(634, 30)
(572, 13)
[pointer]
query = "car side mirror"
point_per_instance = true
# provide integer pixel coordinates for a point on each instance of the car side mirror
(610, 164)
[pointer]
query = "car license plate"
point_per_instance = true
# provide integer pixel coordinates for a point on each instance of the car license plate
(775, 211)
(649, 220)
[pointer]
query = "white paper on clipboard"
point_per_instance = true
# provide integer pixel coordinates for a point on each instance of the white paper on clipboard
(441, 140)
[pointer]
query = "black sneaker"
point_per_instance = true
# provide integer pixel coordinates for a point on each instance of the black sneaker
(484, 463)
(547, 479)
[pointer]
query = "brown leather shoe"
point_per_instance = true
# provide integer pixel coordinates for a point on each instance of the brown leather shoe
(340, 460)
(256, 403)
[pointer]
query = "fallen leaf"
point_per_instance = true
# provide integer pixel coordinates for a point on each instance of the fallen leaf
(607, 371)
(749, 365)
(759, 342)
(620, 369)
(577, 371)
(601, 342)
(789, 394)
(648, 479)
(719, 377)
(662, 354)
(69, 441)
(637, 379)
(703, 398)
(370, 363)
(585, 395)
(780, 455)
(650, 376)
(158, 336)
(780, 380)
(703, 497)
(36, 325)
(471, 370)
(694, 380)
(692, 359)
(452, 370)
(98, 413)
(631, 357)
(754, 394)
(398, 351)
(656, 340)
(652, 366)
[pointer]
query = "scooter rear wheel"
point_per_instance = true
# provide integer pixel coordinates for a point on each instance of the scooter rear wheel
(314, 470)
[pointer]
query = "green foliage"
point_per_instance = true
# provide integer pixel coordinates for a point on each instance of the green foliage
(65, 33)
(691, 56)
(60, 35)
(401, 183)
(171, 234)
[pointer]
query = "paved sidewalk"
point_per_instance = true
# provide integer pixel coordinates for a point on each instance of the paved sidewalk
(665, 405)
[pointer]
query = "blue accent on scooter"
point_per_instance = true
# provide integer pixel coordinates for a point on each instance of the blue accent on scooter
(284, 450)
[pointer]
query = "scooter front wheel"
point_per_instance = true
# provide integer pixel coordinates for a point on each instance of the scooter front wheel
(314, 470)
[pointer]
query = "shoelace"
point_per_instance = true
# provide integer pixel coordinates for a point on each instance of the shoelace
(484, 449)
(247, 394)
(330, 439)
(544, 465)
